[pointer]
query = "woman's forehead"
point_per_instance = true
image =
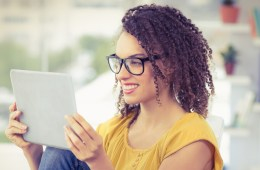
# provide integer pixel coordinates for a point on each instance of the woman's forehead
(128, 45)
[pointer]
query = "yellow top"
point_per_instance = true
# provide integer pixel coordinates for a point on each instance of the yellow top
(191, 127)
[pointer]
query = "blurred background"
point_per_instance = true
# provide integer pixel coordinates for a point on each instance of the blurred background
(74, 36)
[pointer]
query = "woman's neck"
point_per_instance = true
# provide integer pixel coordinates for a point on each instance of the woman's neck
(154, 114)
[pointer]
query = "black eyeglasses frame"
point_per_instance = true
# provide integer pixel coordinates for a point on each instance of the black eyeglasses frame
(123, 61)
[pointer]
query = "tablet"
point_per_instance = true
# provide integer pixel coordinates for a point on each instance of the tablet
(44, 98)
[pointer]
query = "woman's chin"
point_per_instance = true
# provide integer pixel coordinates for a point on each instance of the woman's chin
(131, 102)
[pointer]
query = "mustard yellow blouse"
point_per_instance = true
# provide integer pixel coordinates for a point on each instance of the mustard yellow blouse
(191, 127)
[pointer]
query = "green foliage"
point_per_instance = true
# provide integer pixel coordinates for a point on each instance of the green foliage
(60, 59)
(3, 138)
(14, 56)
(99, 48)
(229, 55)
(90, 43)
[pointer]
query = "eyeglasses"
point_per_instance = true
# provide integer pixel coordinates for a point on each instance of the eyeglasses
(133, 64)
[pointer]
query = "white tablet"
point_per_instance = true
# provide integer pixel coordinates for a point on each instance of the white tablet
(44, 98)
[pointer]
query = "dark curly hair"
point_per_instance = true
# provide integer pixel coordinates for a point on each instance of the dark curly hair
(164, 31)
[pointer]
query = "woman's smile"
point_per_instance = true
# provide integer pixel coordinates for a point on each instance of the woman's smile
(129, 88)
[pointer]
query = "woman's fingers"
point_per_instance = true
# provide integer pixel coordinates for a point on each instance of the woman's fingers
(81, 149)
(15, 127)
(14, 134)
(75, 141)
(15, 115)
(82, 139)
(87, 127)
(12, 107)
(70, 144)
(14, 130)
(78, 135)
(80, 153)
(15, 123)
(78, 129)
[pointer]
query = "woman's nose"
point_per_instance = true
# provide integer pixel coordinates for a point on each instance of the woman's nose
(123, 73)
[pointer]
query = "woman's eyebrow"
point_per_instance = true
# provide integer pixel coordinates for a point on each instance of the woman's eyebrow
(134, 55)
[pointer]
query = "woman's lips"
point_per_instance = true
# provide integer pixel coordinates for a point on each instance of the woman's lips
(129, 88)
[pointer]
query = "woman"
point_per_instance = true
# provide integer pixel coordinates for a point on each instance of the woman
(161, 65)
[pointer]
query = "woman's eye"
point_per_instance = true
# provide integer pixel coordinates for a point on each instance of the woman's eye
(136, 62)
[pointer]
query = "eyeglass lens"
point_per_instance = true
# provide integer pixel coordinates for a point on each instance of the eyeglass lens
(133, 65)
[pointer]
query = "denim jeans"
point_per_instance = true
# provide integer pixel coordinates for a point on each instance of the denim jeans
(59, 159)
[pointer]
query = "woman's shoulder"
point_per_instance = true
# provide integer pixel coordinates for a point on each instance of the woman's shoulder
(190, 128)
(193, 122)
(193, 125)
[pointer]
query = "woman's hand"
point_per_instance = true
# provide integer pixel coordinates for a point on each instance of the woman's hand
(15, 128)
(14, 132)
(86, 143)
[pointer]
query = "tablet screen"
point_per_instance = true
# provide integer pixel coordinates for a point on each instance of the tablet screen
(44, 98)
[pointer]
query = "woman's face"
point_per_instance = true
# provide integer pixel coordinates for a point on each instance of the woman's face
(136, 89)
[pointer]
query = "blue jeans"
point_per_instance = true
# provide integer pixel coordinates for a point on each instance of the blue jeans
(59, 159)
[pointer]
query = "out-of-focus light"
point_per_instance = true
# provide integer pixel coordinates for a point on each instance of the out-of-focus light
(199, 2)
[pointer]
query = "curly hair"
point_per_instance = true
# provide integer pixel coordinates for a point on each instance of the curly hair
(164, 31)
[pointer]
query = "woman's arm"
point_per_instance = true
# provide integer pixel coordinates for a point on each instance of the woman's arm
(33, 156)
(86, 144)
(196, 156)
